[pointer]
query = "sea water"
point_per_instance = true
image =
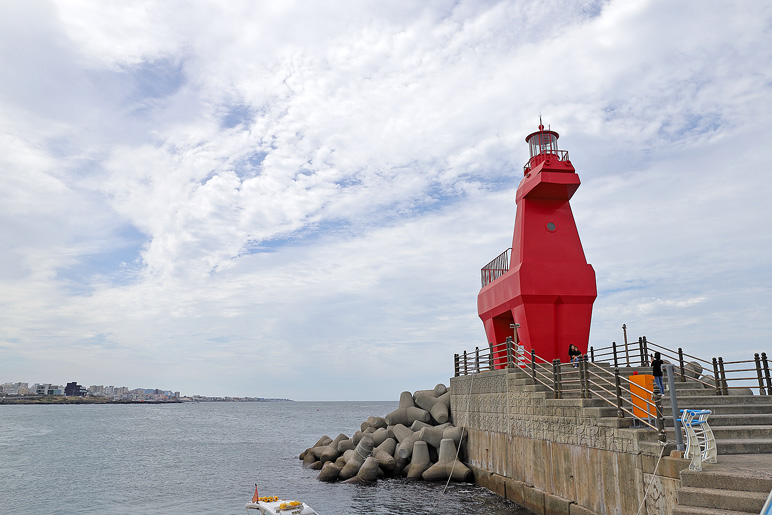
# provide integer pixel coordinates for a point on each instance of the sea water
(199, 458)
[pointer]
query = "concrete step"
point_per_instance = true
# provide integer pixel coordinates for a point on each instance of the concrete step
(688, 384)
(725, 409)
(734, 432)
(615, 422)
(689, 392)
(724, 446)
(739, 419)
(691, 510)
(600, 411)
(748, 502)
(726, 480)
(744, 446)
(719, 400)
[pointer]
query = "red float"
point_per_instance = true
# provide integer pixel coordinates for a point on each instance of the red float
(545, 283)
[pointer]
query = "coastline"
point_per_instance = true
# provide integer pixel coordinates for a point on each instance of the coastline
(52, 400)
(49, 400)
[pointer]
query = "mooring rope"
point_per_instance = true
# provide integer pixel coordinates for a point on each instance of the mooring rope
(458, 449)
(360, 454)
(653, 475)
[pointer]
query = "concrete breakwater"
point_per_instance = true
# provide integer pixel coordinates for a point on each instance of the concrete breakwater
(415, 441)
(560, 456)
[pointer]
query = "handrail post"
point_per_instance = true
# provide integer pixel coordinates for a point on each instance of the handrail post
(556, 377)
(724, 386)
(592, 354)
(674, 408)
(660, 418)
(533, 366)
(627, 351)
(640, 346)
(757, 359)
(490, 355)
(646, 353)
(766, 372)
(582, 383)
(614, 348)
(466, 372)
(618, 384)
(455, 365)
(588, 393)
(510, 360)
(681, 363)
(716, 378)
(477, 360)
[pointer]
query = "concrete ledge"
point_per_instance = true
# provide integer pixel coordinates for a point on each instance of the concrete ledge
(579, 510)
(668, 467)
(554, 505)
(527, 496)
(514, 490)
(493, 482)
(533, 499)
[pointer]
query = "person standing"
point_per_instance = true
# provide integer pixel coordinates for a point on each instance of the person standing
(656, 366)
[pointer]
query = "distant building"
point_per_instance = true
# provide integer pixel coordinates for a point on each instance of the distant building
(74, 390)
(14, 388)
(96, 390)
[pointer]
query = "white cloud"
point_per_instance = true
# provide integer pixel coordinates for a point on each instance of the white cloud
(191, 191)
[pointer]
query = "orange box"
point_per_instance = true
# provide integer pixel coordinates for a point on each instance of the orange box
(638, 385)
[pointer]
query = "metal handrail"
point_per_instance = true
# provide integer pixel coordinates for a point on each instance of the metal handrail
(651, 405)
(587, 377)
(697, 358)
(496, 268)
(621, 407)
(722, 374)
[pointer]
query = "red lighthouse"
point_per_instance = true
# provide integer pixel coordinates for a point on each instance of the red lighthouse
(545, 284)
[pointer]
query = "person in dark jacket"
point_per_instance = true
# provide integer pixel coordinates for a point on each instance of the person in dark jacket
(656, 366)
(574, 354)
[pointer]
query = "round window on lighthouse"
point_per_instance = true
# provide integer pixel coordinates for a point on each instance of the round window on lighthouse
(551, 227)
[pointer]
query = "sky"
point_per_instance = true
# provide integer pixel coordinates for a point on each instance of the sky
(294, 199)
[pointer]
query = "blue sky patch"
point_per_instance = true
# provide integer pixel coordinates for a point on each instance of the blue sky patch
(238, 114)
(158, 79)
(119, 263)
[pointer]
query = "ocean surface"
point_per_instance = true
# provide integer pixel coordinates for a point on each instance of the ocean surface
(199, 458)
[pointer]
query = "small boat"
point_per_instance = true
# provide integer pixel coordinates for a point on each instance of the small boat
(276, 506)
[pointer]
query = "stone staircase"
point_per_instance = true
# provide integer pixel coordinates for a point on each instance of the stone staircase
(742, 425)
(737, 484)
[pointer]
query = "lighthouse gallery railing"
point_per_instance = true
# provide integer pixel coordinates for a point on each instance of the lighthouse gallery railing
(562, 155)
(496, 268)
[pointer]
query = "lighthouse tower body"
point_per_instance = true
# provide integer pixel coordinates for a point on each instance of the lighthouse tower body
(549, 288)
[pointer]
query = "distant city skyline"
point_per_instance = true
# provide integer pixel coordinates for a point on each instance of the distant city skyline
(117, 392)
(123, 392)
(294, 199)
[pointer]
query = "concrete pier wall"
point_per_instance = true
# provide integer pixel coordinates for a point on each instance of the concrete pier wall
(557, 456)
